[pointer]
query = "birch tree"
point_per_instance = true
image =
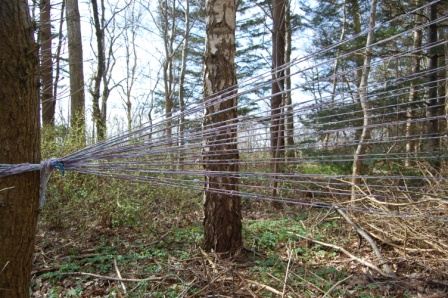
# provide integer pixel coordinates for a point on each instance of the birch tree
(365, 106)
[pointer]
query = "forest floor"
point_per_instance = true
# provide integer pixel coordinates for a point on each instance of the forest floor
(85, 257)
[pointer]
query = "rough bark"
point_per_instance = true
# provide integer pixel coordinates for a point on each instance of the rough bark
(20, 143)
(222, 208)
(46, 64)
(76, 69)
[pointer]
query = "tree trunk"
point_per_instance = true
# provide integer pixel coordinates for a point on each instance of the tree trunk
(46, 64)
(410, 110)
(433, 130)
(289, 117)
(20, 143)
(76, 70)
(99, 114)
(222, 208)
(365, 105)
(278, 86)
(58, 52)
(183, 69)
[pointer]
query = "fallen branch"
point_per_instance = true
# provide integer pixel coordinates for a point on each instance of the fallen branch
(113, 278)
(369, 239)
(353, 257)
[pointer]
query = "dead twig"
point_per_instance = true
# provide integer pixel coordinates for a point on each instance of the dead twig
(353, 257)
(113, 278)
(246, 285)
(335, 285)
(45, 270)
(119, 275)
(4, 267)
(369, 239)
(265, 287)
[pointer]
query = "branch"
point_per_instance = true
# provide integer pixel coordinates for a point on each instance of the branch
(369, 239)
(113, 278)
(353, 257)
(335, 285)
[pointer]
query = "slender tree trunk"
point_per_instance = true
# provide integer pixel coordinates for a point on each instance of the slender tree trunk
(433, 130)
(410, 110)
(58, 52)
(99, 113)
(20, 143)
(76, 69)
(289, 117)
(131, 66)
(222, 208)
(183, 69)
(168, 33)
(278, 86)
(364, 137)
(46, 64)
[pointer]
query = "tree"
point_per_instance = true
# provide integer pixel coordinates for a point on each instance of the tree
(105, 65)
(433, 128)
(20, 143)
(46, 64)
(364, 136)
(222, 208)
(76, 69)
(278, 86)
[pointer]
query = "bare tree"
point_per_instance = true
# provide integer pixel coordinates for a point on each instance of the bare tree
(222, 208)
(20, 143)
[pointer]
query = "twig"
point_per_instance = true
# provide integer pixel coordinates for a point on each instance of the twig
(335, 285)
(287, 272)
(119, 275)
(45, 270)
(11, 187)
(4, 267)
(369, 239)
(246, 285)
(209, 260)
(353, 257)
(113, 278)
(263, 286)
